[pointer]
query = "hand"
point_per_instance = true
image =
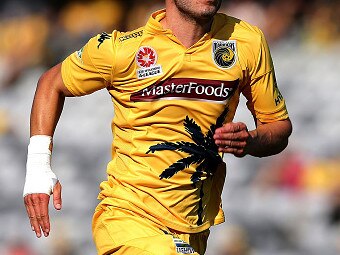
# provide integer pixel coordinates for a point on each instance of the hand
(37, 209)
(232, 138)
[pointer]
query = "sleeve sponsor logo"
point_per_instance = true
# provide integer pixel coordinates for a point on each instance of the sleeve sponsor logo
(129, 36)
(146, 59)
(183, 247)
(187, 89)
(103, 36)
(224, 53)
(279, 97)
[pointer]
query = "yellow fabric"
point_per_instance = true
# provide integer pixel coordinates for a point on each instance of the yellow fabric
(122, 231)
(167, 101)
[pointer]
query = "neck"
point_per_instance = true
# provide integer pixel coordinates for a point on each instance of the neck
(187, 30)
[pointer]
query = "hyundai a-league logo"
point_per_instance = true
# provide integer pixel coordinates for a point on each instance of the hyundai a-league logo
(146, 59)
(224, 53)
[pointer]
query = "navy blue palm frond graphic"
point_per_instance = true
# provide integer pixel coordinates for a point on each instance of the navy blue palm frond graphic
(202, 152)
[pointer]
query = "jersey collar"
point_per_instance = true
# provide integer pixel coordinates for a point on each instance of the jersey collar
(153, 26)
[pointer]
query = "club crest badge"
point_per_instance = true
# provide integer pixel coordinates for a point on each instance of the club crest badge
(224, 53)
(146, 59)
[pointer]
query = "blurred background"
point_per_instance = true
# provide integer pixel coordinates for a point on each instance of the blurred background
(287, 204)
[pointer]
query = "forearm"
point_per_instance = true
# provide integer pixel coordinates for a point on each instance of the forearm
(46, 111)
(269, 138)
(48, 103)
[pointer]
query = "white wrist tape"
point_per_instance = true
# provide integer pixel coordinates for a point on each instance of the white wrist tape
(39, 175)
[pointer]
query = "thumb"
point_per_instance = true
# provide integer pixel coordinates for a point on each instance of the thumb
(57, 196)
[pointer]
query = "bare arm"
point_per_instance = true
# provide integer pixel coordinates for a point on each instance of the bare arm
(267, 139)
(46, 110)
(48, 102)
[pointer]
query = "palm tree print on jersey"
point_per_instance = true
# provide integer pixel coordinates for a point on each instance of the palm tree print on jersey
(202, 151)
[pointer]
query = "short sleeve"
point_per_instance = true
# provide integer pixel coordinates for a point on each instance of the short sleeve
(90, 68)
(265, 100)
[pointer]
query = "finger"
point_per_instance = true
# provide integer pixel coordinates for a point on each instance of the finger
(36, 208)
(30, 211)
(33, 217)
(225, 138)
(232, 139)
(231, 128)
(239, 136)
(45, 199)
(39, 201)
(57, 202)
(232, 144)
(238, 152)
(227, 128)
(235, 133)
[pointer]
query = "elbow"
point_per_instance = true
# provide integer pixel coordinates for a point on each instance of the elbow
(283, 145)
(286, 131)
(289, 128)
(276, 138)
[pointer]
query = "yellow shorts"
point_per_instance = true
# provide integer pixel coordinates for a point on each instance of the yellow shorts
(120, 231)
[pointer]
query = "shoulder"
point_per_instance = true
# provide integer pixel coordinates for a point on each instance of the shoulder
(130, 36)
(115, 38)
(237, 28)
(125, 44)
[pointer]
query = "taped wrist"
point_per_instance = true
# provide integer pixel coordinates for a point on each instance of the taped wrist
(39, 175)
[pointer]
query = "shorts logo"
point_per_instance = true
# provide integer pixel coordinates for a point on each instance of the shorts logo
(146, 59)
(224, 53)
(182, 247)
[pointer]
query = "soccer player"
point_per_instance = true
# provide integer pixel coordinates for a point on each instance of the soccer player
(175, 85)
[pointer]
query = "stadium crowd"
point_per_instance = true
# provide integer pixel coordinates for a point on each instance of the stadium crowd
(283, 205)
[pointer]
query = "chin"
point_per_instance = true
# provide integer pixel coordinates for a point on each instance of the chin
(206, 14)
(210, 8)
(198, 9)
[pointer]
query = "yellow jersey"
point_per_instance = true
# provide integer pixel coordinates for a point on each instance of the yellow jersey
(168, 100)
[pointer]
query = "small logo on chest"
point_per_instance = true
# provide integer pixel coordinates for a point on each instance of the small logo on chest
(224, 53)
(146, 59)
